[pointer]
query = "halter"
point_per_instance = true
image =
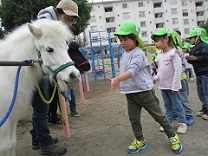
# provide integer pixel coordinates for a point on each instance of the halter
(56, 71)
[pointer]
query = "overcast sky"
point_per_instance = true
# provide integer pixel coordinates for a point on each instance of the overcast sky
(95, 0)
(98, 0)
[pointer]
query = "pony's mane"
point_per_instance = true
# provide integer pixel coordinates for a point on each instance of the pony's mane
(22, 39)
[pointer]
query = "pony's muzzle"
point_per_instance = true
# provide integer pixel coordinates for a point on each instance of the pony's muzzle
(73, 80)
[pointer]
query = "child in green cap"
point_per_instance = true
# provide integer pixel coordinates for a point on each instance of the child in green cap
(189, 67)
(198, 57)
(184, 91)
(136, 83)
(169, 75)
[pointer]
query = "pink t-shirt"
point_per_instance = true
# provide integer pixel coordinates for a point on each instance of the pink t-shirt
(169, 70)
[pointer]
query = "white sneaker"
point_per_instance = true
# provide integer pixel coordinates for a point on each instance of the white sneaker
(161, 129)
(192, 79)
(200, 113)
(182, 127)
(205, 116)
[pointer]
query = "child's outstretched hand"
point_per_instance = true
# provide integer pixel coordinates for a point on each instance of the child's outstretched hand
(114, 82)
(154, 80)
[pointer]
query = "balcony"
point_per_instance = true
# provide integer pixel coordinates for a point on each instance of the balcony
(201, 18)
(157, 1)
(109, 14)
(110, 24)
(159, 10)
(160, 20)
(200, 8)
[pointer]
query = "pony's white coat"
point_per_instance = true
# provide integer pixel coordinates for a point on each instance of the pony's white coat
(20, 45)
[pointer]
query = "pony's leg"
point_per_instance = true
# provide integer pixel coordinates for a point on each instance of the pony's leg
(5, 141)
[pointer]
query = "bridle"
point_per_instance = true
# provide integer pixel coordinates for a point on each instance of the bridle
(57, 70)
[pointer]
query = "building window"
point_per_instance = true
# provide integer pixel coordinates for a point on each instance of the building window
(199, 4)
(160, 25)
(144, 34)
(199, 23)
(184, 3)
(93, 19)
(140, 4)
(174, 11)
(175, 21)
(175, 29)
(113, 40)
(186, 30)
(145, 43)
(200, 13)
(185, 12)
(109, 30)
(173, 2)
(108, 9)
(124, 5)
(158, 15)
(157, 5)
(94, 39)
(126, 15)
(109, 20)
(93, 28)
(186, 21)
(141, 13)
(143, 23)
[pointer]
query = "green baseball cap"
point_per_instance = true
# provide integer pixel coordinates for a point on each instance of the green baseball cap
(199, 32)
(128, 28)
(160, 32)
(187, 46)
(173, 34)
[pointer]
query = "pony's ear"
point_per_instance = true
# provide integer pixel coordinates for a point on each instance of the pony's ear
(35, 31)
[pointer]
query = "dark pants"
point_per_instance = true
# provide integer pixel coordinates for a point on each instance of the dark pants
(150, 103)
(53, 116)
(40, 131)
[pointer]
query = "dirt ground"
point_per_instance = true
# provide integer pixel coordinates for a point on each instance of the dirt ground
(103, 128)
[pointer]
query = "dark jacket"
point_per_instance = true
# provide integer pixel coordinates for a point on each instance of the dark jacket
(200, 65)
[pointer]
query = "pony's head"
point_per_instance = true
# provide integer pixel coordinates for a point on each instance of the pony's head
(81, 63)
(51, 40)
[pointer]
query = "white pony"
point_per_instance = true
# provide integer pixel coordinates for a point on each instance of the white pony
(50, 39)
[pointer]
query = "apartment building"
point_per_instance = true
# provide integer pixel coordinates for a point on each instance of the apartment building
(183, 15)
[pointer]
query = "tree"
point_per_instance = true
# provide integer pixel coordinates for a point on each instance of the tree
(84, 12)
(1, 33)
(17, 12)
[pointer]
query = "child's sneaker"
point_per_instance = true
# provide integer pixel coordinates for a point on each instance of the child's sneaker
(175, 144)
(161, 129)
(182, 127)
(137, 146)
(75, 114)
(189, 120)
(205, 116)
(200, 113)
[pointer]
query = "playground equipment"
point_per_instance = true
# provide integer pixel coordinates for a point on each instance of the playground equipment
(103, 55)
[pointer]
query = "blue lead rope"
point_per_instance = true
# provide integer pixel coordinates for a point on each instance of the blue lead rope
(5, 117)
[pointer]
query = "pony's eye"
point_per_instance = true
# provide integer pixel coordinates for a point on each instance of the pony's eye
(50, 50)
